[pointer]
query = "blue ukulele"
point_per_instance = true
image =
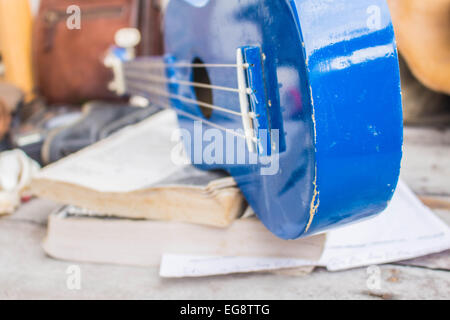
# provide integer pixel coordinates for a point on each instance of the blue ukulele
(299, 100)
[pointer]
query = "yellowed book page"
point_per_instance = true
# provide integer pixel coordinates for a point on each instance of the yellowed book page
(136, 158)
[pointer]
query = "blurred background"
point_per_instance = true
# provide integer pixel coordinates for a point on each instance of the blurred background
(55, 101)
(49, 71)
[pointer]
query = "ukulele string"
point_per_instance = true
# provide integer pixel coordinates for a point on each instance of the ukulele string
(137, 77)
(163, 93)
(140, 65)
(196, 118)
(159, 65)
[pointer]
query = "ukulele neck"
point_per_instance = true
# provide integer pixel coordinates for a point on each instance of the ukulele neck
(155, 77)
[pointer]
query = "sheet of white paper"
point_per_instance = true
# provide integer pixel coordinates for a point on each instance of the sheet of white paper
(407, 229)
(176, 266)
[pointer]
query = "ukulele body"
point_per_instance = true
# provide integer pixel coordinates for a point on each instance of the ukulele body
(326, 79)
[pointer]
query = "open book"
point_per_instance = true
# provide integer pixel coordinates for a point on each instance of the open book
(135, 174)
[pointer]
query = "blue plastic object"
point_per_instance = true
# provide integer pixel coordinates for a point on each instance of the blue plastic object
(330, 85)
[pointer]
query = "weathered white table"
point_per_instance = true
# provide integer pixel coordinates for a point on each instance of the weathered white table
(27, 273)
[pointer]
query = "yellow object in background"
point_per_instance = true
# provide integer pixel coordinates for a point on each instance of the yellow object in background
(15, 43)
(422, 29)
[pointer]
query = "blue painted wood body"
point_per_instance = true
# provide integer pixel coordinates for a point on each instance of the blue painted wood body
(331, 73)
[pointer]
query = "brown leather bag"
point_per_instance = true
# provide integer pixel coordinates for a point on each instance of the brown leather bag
(69, 62)
(150, 21)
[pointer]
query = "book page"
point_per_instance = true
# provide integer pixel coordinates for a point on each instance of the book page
(135, 158)
(177, 266)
